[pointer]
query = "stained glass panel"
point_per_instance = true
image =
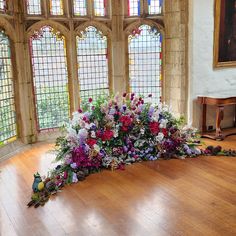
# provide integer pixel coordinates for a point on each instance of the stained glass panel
(2, 5)
(145, 62)
(92, 63)
(80, 8)
(50, 78)
(7, 103)
(34, 7)
(100, 7)
(56, 7)
(134, 7)
(155, 6)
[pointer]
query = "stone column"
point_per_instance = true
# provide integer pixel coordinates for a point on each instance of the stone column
(176, 49)
(118, 47)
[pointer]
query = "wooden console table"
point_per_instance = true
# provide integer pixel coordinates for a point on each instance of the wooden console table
(219, 102)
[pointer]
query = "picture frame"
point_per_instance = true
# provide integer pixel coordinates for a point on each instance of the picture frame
(225, 33)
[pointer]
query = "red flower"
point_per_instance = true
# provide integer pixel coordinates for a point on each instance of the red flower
(91, 142)
(165, 132)
(90, 100)
(124, 128)
(154, 127)
(126, 120)
(107, 135)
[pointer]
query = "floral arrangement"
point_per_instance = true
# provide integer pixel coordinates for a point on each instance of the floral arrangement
(113, 132)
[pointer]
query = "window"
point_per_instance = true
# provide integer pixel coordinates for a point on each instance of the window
(2, 5)
(92, 63)
(145, 61)
(154, 6)
(34, 7)
(134, 7)
(56, 7)
(7, 103)
(100, 7)
(80, 7)
(50, 78)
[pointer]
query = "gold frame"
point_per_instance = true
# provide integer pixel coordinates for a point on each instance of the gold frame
(217, 14)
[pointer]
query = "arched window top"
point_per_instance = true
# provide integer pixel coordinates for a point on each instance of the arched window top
(8, 129)
(147, 32)
(145, 62)
(90, 33)
(45, 31)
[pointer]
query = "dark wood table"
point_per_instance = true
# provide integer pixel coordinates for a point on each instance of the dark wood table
(220, 103)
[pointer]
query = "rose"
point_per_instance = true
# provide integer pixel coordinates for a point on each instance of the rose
(126, 120)
(91, 142)
(154, 127)
(107, 135)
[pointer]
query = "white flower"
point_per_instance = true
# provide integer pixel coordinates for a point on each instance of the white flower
(96, 148)
(112, 111)
(116, 133)
(155, 116)
(74, 178)
(163, 123)
(142, 131)
(159, 137)
(83, 134)
(93, 134)
(71, 133)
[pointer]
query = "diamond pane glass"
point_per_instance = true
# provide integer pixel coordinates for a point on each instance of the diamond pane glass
(133, 7)
(7, 103)
(92, 64)
(56, 7)
(145, 62)
(155, 6)
(100, 7)
(34, 7)
(80, 8)
(50, 78)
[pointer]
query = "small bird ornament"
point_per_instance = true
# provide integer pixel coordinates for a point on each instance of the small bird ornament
(38, 184)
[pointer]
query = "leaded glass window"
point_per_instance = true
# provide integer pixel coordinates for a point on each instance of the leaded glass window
(34, 7)
(92, 56)
(50, 78)
(155, 6)
(8, 130)
(100, 7)
(56, 7)
(134, 7)
(80, 7)
(145, 61)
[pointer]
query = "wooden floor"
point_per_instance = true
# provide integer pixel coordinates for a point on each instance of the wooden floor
(176, 197)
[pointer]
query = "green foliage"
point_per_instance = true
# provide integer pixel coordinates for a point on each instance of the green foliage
(52, 106)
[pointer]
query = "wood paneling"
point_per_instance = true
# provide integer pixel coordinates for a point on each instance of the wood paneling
(175, 197)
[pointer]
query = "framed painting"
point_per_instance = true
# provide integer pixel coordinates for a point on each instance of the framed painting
(225, 33)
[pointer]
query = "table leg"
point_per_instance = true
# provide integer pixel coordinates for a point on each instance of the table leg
(234, 115)
(204, 110)
(219, 118)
